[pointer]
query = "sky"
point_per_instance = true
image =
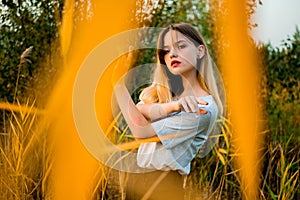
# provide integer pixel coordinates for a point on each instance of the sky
(276, 19)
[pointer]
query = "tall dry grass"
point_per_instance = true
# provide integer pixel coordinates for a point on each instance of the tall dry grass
(26, 163)
(25, 157)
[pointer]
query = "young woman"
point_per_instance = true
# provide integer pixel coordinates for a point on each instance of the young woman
(180, 107)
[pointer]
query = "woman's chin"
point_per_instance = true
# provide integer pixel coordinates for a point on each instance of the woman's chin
(175, 71)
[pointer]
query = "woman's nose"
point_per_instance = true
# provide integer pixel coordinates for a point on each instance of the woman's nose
(173, 53)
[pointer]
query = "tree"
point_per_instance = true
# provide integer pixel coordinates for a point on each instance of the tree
(24, 24)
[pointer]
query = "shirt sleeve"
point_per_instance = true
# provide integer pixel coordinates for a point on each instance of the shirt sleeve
(181, 127)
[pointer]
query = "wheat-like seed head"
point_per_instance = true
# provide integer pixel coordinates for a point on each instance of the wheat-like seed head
(24, 58)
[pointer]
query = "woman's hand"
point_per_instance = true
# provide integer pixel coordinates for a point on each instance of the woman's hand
(190, 104)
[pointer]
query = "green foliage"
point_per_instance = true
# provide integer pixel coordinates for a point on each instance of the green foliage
(280, 93)
(24, 24)
(281, 67)
(164, 13)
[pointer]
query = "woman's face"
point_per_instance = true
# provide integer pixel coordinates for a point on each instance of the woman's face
(181, 54)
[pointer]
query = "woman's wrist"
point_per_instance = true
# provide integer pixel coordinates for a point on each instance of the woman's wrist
(176, 106)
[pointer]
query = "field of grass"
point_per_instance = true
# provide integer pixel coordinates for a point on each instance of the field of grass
(26, 162)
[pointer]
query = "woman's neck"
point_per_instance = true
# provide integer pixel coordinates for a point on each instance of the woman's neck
(191, 86)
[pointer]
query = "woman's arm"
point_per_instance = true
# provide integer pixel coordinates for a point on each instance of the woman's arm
(138, 124)
(156, 111)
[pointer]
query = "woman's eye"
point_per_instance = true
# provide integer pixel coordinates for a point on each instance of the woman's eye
(182, 46)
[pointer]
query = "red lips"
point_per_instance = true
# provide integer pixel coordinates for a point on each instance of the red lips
(175, 63)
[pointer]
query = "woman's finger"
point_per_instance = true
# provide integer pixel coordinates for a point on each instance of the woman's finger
(200, 101)
(193, 104)
(184, 105)
(189, 104)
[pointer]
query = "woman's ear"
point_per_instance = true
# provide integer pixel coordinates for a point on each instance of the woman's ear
(201, 51)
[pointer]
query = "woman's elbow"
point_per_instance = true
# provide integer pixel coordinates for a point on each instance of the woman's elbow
(139, 121)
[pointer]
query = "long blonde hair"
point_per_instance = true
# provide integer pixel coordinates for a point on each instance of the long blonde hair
(166, 85)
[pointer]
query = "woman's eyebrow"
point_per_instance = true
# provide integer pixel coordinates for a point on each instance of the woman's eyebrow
(179, 41)
(175, 43)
